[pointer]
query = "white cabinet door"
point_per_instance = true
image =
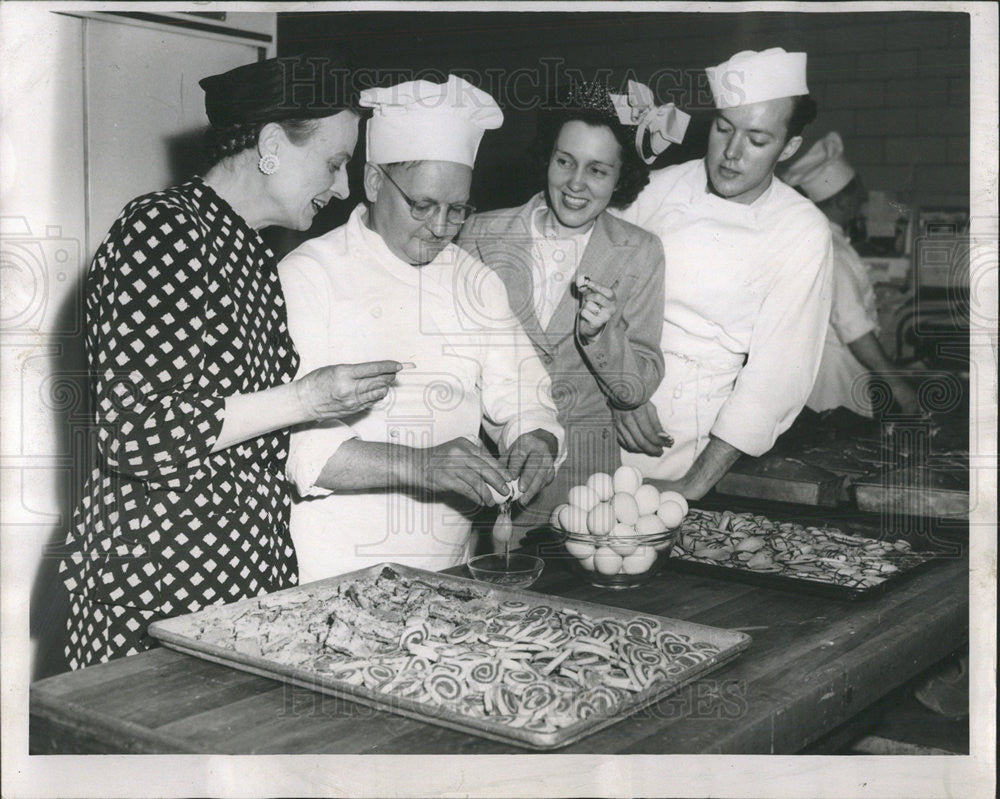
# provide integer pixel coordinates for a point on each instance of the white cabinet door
(144, 110)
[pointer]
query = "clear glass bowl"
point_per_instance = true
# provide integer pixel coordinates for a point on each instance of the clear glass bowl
(516, 571)
(618, 561)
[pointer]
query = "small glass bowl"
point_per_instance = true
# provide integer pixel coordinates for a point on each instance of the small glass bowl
(517, 571)
(618, 561)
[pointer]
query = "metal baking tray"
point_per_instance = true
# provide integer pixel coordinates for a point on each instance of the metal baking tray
(797, 584)
(178, 633)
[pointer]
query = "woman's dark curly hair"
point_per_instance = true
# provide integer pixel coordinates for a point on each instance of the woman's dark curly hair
(223, 142)
(570, 107)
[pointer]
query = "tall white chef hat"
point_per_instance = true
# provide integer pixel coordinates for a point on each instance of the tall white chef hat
(424, 121)
(823, 170)
(752, 77)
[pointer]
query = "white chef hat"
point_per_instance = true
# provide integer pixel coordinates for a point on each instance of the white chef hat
(423, 121)
(752, 77)
(823, 170)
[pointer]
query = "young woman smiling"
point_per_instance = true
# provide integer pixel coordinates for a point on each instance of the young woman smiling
(586, 286)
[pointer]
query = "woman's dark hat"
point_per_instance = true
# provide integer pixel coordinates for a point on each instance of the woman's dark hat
(303, 86)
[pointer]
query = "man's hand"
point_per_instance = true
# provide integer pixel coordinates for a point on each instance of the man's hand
(531, 459)
(639, 430)
(462, 468)
(332, 392)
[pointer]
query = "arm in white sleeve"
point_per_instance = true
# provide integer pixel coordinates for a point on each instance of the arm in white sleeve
(848, 316)
(785, 346)
(516, 388)
(307, 298)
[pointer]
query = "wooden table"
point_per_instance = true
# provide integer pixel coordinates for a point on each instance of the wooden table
(814, 663)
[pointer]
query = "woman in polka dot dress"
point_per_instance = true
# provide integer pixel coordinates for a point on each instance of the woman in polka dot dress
(191, 367)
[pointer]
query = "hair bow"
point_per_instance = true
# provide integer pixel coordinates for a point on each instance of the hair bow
(666, 125)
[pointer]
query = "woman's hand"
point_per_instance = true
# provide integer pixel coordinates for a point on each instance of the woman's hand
(332, 392)
(531, 460)
(597, 305)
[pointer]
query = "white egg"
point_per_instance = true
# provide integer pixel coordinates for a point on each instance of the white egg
(576, 520)
(579, 549)
(639, 561)
(587, 563)
(671, 513)
(554, 518)
(626, 510)
(583, 497)
(607, 561)
(650, 524)
(601, 484)
(601, 518)
(647, 498)
(622, 539)
(627, 479)
(564, 517)
(673, 496)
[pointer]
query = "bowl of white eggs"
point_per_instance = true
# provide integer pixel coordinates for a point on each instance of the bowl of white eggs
(618, 530)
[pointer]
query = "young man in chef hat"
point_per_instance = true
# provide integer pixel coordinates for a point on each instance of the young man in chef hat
(398, 482)
(851, 349)
(747, 293)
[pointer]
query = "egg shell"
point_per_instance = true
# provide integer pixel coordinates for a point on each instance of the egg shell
(673, 496)
(601, 518)
(601, 484)
(579, 549)
(607, 561)
(554, 517)
(626, 509)
(622, 539)
(647, 498)
(576, 520)
(583, 497)
(671, 513)
(650, 524)
(639, 561)
(627, 479)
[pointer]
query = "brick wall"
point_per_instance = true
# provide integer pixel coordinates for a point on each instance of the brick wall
(894, 84)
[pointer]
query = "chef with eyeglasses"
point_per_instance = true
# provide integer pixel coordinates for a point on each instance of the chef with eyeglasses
(399, 481)
(747, 282)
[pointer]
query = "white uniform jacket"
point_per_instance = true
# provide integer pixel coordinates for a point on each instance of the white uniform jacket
(746, 306)
(350, 300)
(842, 380)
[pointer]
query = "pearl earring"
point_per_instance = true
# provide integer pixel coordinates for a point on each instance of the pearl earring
(268, 164)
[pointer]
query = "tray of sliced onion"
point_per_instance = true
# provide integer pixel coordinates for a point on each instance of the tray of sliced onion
(514, 666)
(785, 554)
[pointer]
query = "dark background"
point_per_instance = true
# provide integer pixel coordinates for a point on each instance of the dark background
(895, 85)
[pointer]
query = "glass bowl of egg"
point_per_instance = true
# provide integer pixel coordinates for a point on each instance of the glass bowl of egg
(617, 530)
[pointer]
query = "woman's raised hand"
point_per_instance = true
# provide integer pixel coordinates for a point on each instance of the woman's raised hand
(332, 392)
(597, 306)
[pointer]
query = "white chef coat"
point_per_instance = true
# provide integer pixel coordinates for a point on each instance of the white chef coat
(351, 300)
(842, 380)
(746, 305)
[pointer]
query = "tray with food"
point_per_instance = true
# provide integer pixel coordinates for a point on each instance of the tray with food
(526, 669)
(785, 554)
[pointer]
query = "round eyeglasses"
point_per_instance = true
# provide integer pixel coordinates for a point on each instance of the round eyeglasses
(421, 210)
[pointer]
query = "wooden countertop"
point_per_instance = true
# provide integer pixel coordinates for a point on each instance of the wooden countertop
(813, 664)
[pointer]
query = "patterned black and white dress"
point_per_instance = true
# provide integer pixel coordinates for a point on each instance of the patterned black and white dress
(184, 308)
